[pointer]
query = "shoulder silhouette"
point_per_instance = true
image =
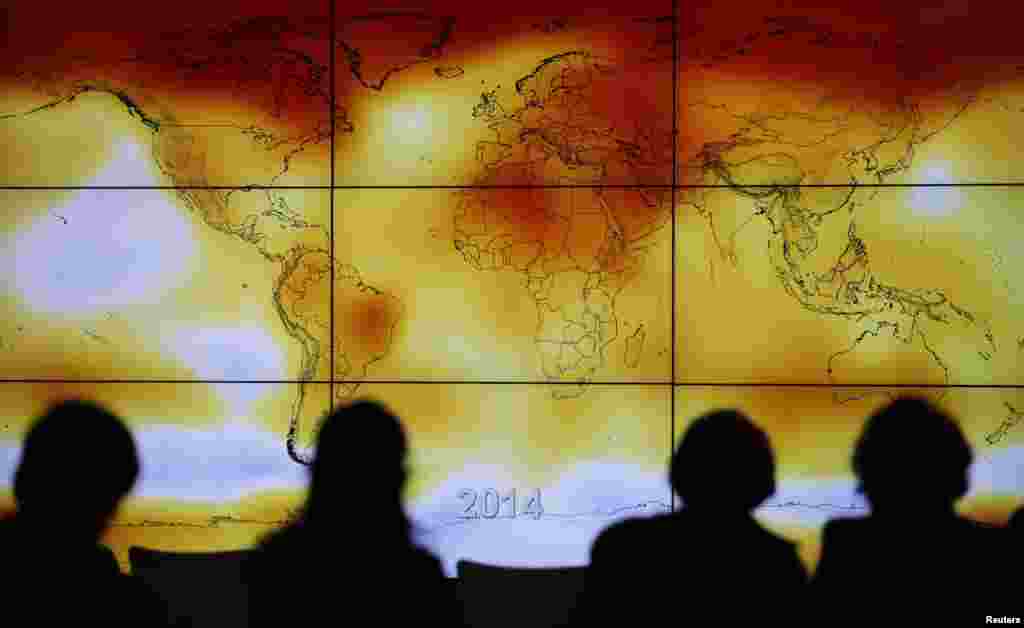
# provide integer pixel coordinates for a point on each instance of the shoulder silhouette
(914, 554)
(77, 463)
(682, 565)
(350, 552)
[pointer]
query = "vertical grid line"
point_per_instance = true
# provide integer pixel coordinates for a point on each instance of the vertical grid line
(675, 191)
(332, 18)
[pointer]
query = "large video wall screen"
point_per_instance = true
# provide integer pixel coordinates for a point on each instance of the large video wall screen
(547, 239)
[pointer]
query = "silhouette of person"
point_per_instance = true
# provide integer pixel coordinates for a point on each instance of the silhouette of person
(350, 554)
(1016, 522)
(78, 462)
(684, 564)
(913, 556)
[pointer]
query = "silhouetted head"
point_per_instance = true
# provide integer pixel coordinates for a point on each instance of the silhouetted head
(1016, 523)
(724, 462)
(912, 456)
(359, 462)
(77, 462)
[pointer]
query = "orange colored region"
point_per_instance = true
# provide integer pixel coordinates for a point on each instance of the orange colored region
(799, 93)
(203, 65)
(874, 50)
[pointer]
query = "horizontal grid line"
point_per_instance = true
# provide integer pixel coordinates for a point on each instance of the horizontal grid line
(481, 382)
(954, 184)
(852, 385)
(600, 186)
(44, 188)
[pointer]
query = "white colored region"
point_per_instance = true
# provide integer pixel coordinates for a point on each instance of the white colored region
(576, 507)
(935, 200)
(234, 354)
(999, 473)
(592, 496)
(410, 124)
(225, 463)
(235, 460)
(102, 249)
(809, 503)
(411, 118)
(812, 502)
(129, 163)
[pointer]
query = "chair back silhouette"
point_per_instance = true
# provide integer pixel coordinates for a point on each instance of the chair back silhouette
(495, 596)
(200, 589)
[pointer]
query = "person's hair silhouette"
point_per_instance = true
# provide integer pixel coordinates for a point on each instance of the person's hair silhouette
(911, 430)
(913, 554)
(735, 453)
(363, 448)
(352, 530)
(722, 469)
(78, 462)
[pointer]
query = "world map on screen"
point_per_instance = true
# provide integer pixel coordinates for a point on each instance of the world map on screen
(548, 241)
